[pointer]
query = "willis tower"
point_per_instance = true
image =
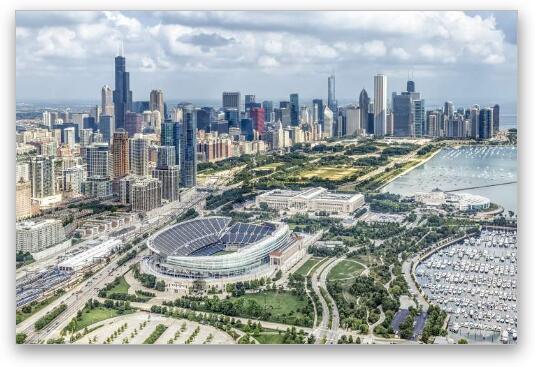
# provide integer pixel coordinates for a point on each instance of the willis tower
(122, 95)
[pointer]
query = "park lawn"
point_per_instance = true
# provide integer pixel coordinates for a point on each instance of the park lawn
(269, 167)
(270, 338)
(329, 173)
(280, 303)
(344, 269)
(97, 314)
(309, 264)
(122, 287)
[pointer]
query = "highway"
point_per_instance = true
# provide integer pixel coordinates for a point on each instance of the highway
(76, 298)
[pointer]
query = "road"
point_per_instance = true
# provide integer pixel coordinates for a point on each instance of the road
(76, 298)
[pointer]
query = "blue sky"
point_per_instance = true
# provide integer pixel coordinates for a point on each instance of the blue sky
(467, 57)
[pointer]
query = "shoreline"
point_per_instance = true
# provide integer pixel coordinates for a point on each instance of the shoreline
(409, 169)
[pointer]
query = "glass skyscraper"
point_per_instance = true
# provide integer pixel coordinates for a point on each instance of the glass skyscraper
(122, 95)
(188, 145)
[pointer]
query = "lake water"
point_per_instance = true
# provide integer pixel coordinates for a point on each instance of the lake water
(465, 167)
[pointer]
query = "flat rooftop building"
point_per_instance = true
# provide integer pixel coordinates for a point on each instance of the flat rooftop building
(313, 199)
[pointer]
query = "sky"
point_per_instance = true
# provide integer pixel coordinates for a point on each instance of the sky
(466, 57)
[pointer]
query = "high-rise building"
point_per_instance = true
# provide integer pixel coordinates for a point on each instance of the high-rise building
(156, 102)
(138, 149)
(294, 109)
(364, 106)
(23, 199)
(45, 119)
(106, 127)
(419, 117)
(42, 171)
(122, 95)
(257, 116)
(331, 94)
(268, 110)
(73, 177)
(98, 160)
(146, 194)
(318, 111)
(352, 121)
(402, 106)
(231, 100)
(496, 118)
(410, 86)
(169, 180)
(474, 121)
(68, 137)
(107, 101)
(328, 122)
(188, 148)
(380, 104)
(133, 123)
(448, 108)
(170, 136)
(36, 236)
(166, 156)
(486, 129)
(120, 154)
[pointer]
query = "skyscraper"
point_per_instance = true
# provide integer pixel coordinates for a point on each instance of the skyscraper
(402, 107)
(268, 110)
(257, 116)
(331, 94)
(448, 108)
(133, 123)
(138, 149)
(98, 160)
(294, 109)
(410, 86)
(485, 123)
(419, 117)
(156, 102)
(496, 118)
(380, 104)
(107, 101)
(318, 111)
(42, 173)
(328, 122)
(107, 127)
(188, 156)
(364, 105)
(231, 100)
(120, 154)
(122, 95)
(166, 156)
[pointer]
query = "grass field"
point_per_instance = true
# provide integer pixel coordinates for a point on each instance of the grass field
(329, 173)
(269, 167)
(95, 315)
(122, 287)
(270, 338)
(344, 269)
(280, 303)
(21, 316)
(309, 264)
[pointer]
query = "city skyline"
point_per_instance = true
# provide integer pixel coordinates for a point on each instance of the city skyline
(439, 61)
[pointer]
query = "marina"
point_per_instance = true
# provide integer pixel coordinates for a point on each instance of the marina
(475, 282)
(489, 171)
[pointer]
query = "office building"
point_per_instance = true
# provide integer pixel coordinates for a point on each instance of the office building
(156, 102)
(496, 118)
(294, 109)
(169, 181)
(145, 194)
(318, 111)
(107, 101)
(231, 100)
(380, 104)
(122, 95)
(188, 147)
(486, 129)
(106, 127)
(257, 116)
(419, 117)
(133, 123)
(328, 122)
(331, 94)
(364, 106)
(268, 110)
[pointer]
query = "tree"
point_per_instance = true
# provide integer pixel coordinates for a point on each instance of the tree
(462, 341)
(21, 337)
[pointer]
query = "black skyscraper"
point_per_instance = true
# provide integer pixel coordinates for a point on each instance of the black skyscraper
(122, 95)
(364, 105)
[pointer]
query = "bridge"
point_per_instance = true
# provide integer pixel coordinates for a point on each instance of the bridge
(482, 186)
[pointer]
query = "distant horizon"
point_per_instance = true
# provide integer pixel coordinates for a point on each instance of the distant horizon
(202, 53)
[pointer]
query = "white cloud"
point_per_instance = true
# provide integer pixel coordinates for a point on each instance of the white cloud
(400, 53)
(267, 62)
(374, 48)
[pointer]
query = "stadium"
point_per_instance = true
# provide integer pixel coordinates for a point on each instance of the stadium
(213, 248)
